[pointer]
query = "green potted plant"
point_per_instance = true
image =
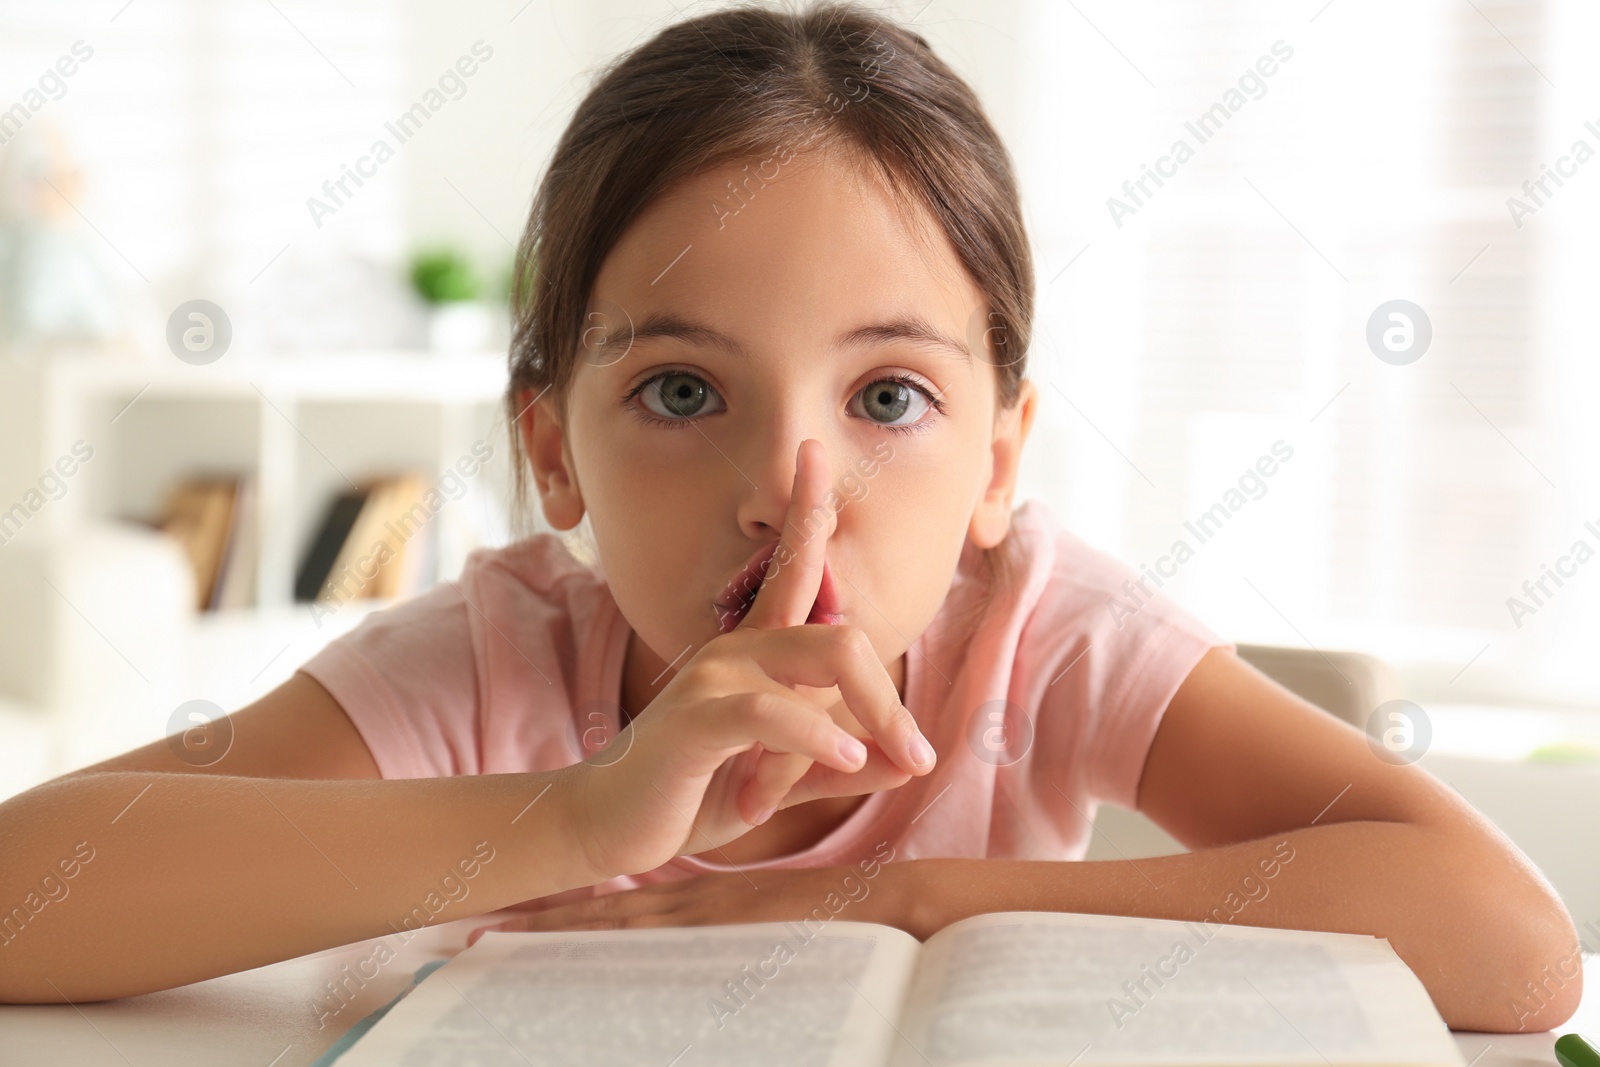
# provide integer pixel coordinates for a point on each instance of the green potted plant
(459, 320)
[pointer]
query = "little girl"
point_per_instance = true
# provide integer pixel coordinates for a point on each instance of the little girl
(772, 323)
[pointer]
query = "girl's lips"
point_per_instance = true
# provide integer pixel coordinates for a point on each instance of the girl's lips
(826, 609)
(740, 589)
(740, 592)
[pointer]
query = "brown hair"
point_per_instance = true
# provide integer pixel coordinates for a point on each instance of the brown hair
(750, 82)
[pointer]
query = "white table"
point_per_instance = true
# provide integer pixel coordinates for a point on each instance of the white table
(268, 1017)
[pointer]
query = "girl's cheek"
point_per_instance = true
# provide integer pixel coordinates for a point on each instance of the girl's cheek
(654, 462)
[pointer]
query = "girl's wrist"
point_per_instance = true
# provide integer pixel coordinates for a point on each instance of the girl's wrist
(582, 802)
(560, 857)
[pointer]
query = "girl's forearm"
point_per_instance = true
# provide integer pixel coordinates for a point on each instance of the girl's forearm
(118, 883)
(1471, 918)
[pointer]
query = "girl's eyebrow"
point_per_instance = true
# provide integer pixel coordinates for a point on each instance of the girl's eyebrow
(908, 328)
(665, 324)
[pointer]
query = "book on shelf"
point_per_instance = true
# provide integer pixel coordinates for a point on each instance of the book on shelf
(201, 515)
(241, 557)
(1024, 989)
(340, 516)
(374, 542)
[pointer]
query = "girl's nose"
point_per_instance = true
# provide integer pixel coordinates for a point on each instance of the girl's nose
(765, 493)
(769, 480)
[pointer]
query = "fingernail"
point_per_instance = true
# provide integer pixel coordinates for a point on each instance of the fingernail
(853, 751)
(764, 816)
(921, 751)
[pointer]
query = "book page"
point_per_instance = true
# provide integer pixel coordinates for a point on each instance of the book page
(761, 995)
(1045, 988)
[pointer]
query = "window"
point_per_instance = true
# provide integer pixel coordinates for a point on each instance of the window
(1339, 156)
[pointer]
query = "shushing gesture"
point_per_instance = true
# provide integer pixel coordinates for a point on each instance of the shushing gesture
(729, 740)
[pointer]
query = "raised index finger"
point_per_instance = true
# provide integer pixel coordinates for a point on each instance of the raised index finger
(794, 575)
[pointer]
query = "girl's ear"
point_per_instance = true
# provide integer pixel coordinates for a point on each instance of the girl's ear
(991, 519)
(545, 442)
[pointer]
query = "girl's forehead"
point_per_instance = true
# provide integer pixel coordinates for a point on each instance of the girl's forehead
(800, 245)
(618, 332)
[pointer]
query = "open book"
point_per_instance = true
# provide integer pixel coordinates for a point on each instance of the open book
(1014, 988)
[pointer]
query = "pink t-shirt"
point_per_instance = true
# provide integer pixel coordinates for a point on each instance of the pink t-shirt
(1042, 709)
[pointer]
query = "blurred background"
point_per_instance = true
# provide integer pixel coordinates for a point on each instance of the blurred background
(253, 262)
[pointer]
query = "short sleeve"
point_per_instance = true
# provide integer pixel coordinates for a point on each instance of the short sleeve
(1144, 673)
(1122, 651)
(407, 678)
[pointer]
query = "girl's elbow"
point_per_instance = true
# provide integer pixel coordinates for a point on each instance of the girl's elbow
(1541, 966)
(1508, 958)
(1547, 986)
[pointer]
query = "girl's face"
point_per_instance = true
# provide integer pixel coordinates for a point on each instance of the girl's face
(724, 330)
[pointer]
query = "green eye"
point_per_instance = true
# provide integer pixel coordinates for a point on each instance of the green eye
(888, 400)
(677, 396)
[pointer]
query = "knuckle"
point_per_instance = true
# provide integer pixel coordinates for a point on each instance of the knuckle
(859, 643)
(820, 729)
(755, 706)
(708, 674)
(841, 640)
(851, 645)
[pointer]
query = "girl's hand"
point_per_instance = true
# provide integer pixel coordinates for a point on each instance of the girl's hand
(812, 896)
(729, 740)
